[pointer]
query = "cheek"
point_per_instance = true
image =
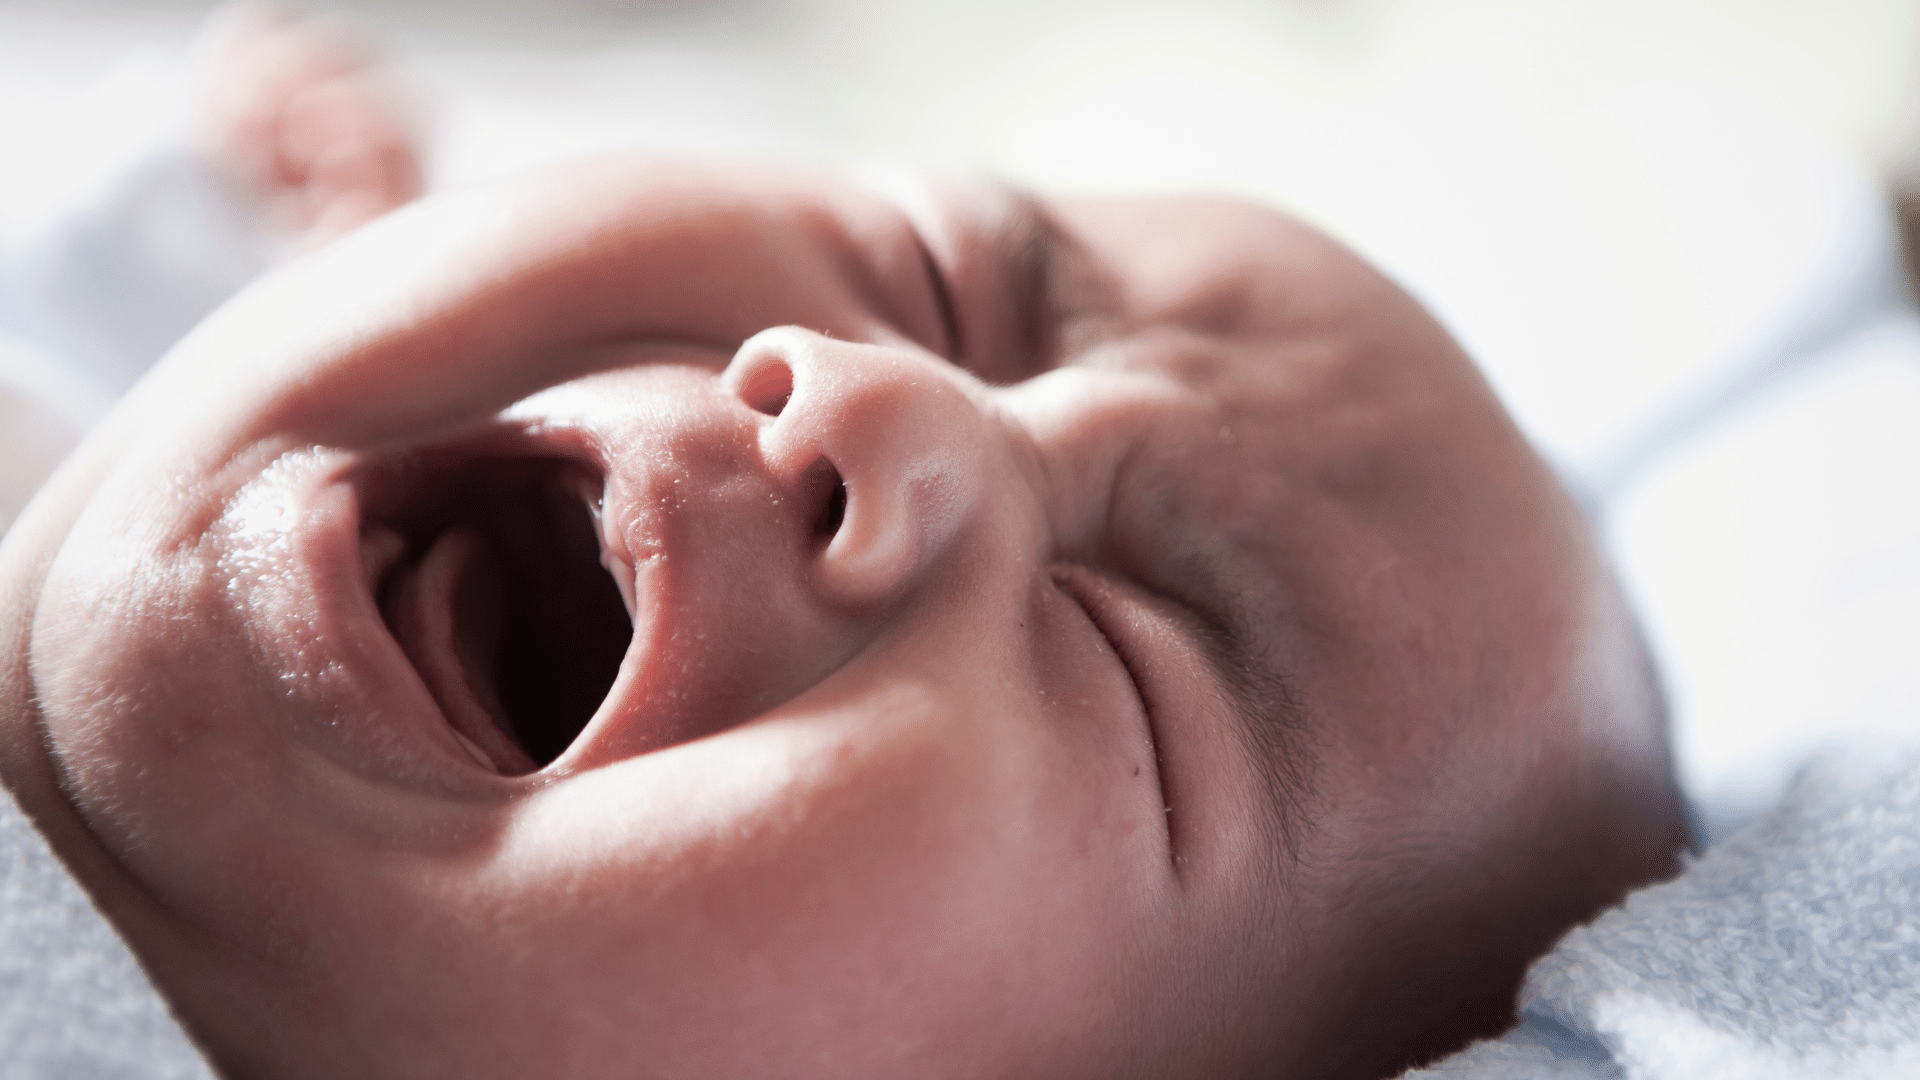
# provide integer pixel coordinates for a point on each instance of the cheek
(142, 698)
(898, 892)
(187, 759)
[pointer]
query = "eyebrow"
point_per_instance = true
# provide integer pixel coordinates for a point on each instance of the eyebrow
(956, 345)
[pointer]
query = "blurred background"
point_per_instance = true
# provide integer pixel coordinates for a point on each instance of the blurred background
(1326, 105)
(1662, 226)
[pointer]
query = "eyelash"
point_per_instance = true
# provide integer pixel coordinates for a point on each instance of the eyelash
(943, 303)
(1090, 609)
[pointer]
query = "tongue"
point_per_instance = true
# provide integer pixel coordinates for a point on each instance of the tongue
(448, 611)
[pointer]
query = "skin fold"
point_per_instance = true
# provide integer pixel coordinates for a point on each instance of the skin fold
(1068, 638)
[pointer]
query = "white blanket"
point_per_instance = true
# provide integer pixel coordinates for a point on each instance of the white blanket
(1791, 952)
(74, 1005)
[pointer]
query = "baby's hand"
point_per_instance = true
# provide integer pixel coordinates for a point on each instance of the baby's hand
(298, 115)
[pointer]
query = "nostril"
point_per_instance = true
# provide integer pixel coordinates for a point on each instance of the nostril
(823, 487)
(768, 388)
(834, 512)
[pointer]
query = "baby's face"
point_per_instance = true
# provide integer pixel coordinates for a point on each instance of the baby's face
(654, 621)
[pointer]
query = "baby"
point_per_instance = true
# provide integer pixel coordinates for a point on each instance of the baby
(654, 620)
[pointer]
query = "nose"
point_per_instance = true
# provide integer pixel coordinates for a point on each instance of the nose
(764, 529)
(900, 435)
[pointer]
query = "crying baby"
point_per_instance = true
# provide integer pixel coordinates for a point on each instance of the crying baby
(655, 620)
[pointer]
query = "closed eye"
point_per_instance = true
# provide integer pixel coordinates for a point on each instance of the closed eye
(1074, 584)
(1086, 591)
(989, 261)
(953, 346)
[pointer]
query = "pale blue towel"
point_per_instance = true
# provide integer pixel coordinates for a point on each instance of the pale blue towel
(1793, 951)
(74, 1004)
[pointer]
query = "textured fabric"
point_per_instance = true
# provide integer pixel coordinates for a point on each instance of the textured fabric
(1540, 1048)
(74, 1005)
(1792, 952)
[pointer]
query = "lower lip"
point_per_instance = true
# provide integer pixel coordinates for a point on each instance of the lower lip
(325, 637)
(345, 549)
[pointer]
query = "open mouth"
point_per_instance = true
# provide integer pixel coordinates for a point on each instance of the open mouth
(492, 583)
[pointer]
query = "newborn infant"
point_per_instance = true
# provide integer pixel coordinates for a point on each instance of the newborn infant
(651, 620)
